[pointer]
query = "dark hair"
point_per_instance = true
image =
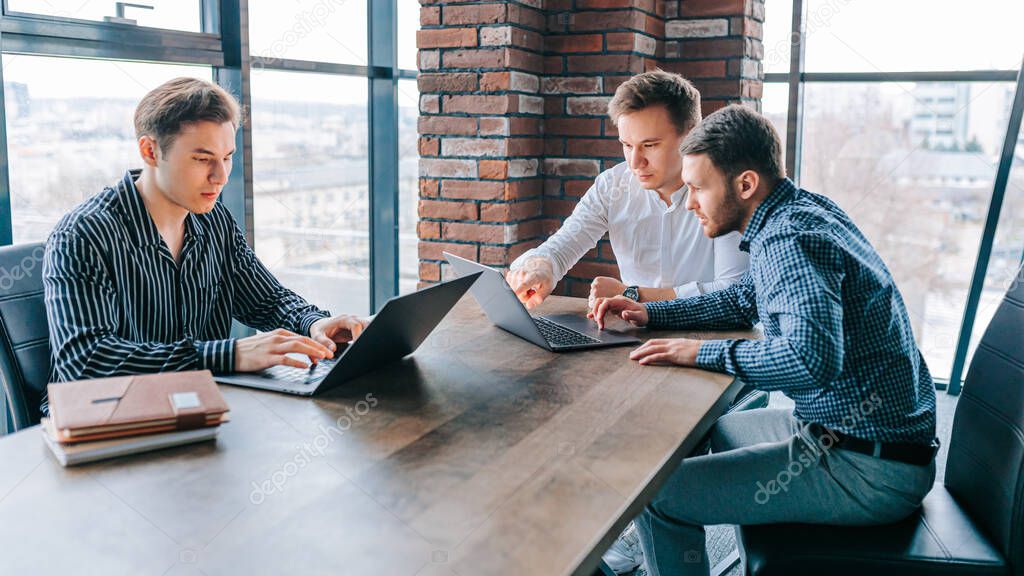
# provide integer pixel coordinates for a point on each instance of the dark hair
(736, 139)
(168, 108)
(658, 88)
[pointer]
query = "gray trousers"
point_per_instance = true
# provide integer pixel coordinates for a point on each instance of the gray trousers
(764, 468)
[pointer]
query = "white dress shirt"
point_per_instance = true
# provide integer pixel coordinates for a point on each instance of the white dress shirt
(656, 246)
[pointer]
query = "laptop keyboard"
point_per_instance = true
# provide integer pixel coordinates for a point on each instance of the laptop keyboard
(293, 375)
(558, 335)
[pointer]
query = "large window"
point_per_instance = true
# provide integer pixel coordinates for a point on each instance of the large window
(774, 105)
(408, 185)
(916, 175)
(907, 141)
(1004, 267)
(74, 71)
(408, 24)
(170, 14)
(776, 36)
(912, 35)
(314, 88)
(408, 149)
(315, 30)
(311, 185)
(777, 39)
(69, 131)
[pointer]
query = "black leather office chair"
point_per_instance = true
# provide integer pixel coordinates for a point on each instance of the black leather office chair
(24, 335)
(973, 524)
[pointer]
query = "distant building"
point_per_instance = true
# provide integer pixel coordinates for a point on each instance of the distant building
(939, 118)
(17, 101)
(959, 182)
(938, 169)
(1004, 121)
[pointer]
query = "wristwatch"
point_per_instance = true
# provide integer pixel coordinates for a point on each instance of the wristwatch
(633, 293)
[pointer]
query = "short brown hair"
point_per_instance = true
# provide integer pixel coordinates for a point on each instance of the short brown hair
(168, 108)
(658, 88)
(737, 138)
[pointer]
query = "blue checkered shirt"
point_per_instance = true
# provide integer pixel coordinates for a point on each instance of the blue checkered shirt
(837, 338)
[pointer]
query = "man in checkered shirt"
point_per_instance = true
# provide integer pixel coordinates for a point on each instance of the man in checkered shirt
(859, 446)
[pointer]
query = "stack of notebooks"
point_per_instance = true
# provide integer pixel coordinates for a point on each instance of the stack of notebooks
(98, 419)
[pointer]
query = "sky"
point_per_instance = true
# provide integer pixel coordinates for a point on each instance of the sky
(898, 35)
(843, 36)
(174, 14)
(328, 30)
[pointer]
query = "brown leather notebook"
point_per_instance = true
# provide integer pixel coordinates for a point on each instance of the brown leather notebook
(127, 405)
(62, 437)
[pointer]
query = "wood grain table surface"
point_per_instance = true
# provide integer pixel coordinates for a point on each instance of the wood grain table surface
(480, 454)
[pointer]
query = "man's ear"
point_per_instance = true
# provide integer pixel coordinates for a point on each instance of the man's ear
(148, 150)
(746, 183)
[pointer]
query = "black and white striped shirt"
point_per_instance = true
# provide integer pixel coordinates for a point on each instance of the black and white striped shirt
(117, 303)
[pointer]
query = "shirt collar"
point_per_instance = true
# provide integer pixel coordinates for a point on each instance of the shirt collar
(137, 218)
(676, 199)
(678, 196)
(784, 191)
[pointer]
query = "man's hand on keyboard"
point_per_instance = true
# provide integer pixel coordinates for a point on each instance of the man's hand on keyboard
(272, 348)
(679, 351)
(633, 312)
(336, 330)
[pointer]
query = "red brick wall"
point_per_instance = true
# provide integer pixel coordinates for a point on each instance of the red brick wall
(592, 46)
(513, 127)
(480, 131)
(717, 45)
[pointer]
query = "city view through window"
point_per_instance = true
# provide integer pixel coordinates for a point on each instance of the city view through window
(912, 162)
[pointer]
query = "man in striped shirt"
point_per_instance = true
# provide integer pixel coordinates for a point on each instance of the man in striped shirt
(147, 275)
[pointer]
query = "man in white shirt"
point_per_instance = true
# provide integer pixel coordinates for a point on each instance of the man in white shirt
(661, 250)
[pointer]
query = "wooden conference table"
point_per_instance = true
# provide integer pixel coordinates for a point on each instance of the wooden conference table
(480, 454)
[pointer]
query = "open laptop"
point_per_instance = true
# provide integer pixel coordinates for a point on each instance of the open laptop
(558, 332)
(395, 332)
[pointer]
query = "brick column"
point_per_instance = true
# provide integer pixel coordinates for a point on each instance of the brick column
(513, 125)
(716, 44)
(480, 132)
(592, 47)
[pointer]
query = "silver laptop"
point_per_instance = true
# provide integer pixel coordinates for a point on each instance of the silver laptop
(395, 332)
(558, 332)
